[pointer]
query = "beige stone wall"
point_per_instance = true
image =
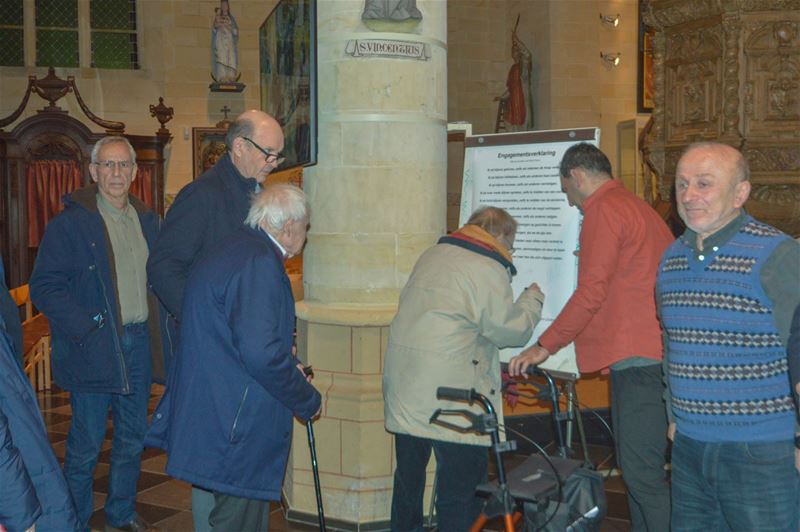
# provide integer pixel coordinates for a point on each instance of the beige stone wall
(175, 57)
(478, 57)
(572, 87)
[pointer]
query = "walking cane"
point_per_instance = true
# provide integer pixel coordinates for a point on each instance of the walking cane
(312, 447)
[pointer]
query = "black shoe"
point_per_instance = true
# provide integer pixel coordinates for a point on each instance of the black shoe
(137, 525)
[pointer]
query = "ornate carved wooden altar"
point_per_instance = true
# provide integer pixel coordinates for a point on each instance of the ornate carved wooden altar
(729, 70)
(53, 137)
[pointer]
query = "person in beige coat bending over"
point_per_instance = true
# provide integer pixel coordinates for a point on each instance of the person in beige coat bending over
(456, 311)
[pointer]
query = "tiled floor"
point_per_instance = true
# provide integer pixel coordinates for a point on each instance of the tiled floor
(162, 501)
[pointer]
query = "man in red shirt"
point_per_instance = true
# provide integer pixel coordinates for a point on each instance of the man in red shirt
(611, 317)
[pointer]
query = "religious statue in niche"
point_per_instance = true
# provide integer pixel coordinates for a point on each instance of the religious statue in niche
(391, 15)
(515, 105)
(224, 52)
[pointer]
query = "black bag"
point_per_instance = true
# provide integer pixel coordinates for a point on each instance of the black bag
(582, 509)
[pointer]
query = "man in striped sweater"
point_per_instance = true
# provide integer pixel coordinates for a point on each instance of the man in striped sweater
(726, 291)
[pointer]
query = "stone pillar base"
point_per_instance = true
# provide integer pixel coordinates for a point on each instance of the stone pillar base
(355, 454)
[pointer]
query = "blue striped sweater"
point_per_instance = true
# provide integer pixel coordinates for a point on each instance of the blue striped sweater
(727, 366)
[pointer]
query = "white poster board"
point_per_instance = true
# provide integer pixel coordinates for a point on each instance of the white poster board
(519, 173)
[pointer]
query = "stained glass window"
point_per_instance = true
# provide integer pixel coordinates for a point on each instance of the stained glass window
(11, 33)
(114, 42)
(57, 33)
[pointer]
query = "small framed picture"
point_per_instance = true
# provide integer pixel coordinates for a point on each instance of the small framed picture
(208, 146)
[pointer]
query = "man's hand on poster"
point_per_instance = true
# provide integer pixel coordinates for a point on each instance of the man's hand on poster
(532, 356)
(671, 432)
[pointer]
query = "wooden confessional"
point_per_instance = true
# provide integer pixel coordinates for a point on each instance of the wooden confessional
(47, 155)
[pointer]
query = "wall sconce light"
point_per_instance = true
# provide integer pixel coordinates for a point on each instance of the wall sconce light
(611, 59)
(611, 20)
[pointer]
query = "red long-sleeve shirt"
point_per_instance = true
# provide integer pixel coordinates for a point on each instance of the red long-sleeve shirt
(612, 314)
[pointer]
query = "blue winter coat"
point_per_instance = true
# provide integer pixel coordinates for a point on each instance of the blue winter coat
(226, 417)
(74, 281)
(9, 316)
(206, 211)
(32, 487)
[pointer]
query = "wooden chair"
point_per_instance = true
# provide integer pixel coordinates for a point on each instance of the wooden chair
(37, 357)
(22, 296)
(37, 364)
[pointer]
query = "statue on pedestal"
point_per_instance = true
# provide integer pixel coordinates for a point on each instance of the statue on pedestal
(515, 107)
(391, 15)
(225, 56)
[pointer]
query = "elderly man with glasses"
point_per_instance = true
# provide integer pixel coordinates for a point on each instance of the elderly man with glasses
(89, 280)
(206, 212)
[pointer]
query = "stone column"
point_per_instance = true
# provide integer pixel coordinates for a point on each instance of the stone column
(377, 200)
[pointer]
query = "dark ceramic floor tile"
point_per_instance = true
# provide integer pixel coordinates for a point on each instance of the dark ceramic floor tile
(48, 402)
(180, 522)
(61, 426)
(56, 437)
(146, 480)
(156, 464)
(172, 494)
(52, 418)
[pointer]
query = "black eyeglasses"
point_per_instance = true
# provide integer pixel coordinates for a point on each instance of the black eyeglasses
(110, 165)
(272, 158)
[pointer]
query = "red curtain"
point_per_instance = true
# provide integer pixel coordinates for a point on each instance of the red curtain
(142, 185)
(48, 181)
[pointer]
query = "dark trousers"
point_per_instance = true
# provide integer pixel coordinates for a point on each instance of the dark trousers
(640, 433)
(237, 514)
(459, 469)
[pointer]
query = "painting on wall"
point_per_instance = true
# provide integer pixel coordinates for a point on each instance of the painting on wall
(208, 146)
(646, 75)
(288, 68)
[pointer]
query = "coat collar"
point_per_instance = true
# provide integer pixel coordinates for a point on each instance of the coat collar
(248, 184)
(480, 248)
(86, 198)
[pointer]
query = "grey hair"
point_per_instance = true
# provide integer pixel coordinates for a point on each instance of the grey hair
(241, 127)
(740, 166)
(110, 140)
(494, 220)
(277, 204)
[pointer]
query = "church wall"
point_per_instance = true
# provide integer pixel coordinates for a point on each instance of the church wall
(478, 57)
(572, 86)
(175, 59)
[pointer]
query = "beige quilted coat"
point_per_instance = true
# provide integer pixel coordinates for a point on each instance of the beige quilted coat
(456, 310)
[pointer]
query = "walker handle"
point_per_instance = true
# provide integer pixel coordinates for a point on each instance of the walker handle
(455, 394)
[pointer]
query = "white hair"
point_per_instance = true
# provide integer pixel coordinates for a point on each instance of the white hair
(275, 205)
(109, 140)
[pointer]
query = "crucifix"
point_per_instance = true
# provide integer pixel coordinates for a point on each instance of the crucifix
(225, 122)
